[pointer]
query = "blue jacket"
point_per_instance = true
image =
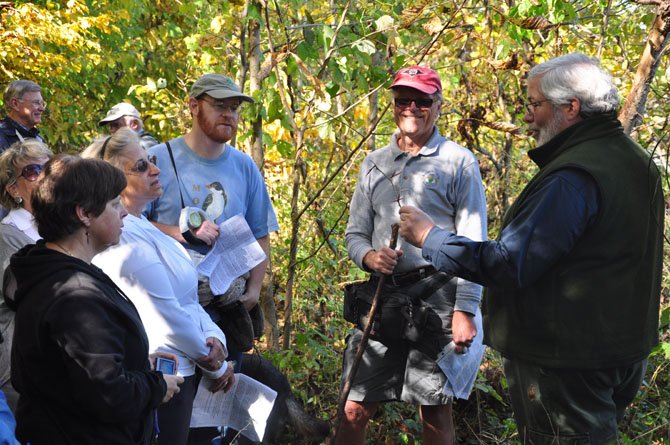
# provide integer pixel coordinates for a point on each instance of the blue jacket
(10, 131)
(7, 423)
(574, 279)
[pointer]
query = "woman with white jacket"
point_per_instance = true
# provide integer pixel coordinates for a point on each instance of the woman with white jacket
(157, 274)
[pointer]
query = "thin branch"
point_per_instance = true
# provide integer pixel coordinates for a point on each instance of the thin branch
(333, 40)
(648, 2)
(349, 108)
(326, 237)
(437, 36)
(606, 20)
(280, 85)
(337, 171)
(316, 25)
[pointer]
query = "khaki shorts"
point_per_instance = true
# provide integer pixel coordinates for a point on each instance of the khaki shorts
(400, 372)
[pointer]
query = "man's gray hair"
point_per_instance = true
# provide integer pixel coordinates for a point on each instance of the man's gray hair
(17, 88)
(437, 97)
(580, 76)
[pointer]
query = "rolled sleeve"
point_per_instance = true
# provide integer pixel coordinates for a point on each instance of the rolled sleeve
(470, 222)
(361, 223)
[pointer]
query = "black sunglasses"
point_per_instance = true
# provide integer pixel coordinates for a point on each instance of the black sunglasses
(142, 165)
(31, 171)
(419, 102)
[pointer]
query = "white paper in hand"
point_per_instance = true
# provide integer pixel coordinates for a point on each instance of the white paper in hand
(234, 253)
(245, 407)
(461, 369)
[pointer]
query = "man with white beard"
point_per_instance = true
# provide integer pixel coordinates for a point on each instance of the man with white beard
(573, 280)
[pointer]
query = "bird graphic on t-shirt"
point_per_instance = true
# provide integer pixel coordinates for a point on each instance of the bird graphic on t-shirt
(215, 201)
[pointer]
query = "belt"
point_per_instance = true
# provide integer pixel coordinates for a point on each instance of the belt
(412, 276)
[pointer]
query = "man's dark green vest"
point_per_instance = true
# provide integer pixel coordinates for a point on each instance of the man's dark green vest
(598, 306)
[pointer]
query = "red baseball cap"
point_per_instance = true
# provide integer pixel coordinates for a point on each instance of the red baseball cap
(418, 77)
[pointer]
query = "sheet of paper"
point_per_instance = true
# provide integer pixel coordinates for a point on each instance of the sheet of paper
(245, 407)
(234, 253)
(461, 369)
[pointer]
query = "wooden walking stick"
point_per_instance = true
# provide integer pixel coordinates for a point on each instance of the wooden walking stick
(364, 341)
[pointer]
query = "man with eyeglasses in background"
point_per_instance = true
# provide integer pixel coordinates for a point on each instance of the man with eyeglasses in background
(423, 168)
(574, 279)
(25, 106)
(124, 114)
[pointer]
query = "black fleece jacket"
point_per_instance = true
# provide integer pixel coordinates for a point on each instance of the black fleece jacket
(80, 354)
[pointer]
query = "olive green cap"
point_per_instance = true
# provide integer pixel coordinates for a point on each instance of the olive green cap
(217, 86)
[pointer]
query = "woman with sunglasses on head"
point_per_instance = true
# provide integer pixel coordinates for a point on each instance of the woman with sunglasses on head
(80, 358)
(157, 274)
(20, 165)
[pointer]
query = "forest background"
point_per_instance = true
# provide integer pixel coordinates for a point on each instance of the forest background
(319, 71)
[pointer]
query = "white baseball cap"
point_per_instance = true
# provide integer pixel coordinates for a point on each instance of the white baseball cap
(119, 110)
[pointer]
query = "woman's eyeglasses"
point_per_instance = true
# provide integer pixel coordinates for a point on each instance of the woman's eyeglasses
(142, 165)
(403, 102)
(31, 171)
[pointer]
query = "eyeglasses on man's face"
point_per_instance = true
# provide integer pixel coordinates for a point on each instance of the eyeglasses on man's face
(223, 105)
(422, 102)
(532, 105)
(119, 123)
(142, 165)
(31, 171)
(37, 103)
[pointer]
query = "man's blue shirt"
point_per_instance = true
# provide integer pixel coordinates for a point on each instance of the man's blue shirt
(548, 226)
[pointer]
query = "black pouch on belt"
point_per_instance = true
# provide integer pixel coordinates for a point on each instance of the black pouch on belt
(402, 313)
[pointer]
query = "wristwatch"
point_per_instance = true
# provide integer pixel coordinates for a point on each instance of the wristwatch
(194, 220)
(191, 218)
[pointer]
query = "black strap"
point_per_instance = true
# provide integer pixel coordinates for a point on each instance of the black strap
(174, 166)
(188, 236)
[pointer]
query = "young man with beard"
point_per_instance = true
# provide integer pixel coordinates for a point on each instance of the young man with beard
(212, 176)
(202, 174)
(25, 106)
(573, 281)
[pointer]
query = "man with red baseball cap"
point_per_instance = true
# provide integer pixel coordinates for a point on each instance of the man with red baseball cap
(423, 311)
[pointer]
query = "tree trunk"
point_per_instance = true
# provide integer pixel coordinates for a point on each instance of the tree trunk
(297, 136)
(634, 107)
(293, 249)
(255, 85)
(374, 107)
(267, 301)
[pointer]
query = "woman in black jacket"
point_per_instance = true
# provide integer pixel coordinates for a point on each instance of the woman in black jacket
(80, 357)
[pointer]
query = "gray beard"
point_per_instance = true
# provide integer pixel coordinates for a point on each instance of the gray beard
(553, 127)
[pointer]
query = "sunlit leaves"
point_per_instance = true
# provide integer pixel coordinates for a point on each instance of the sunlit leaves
(413, 12)
(365, 46)
(433, 25)
(384, 23)
(535, 22)
(216, 24)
